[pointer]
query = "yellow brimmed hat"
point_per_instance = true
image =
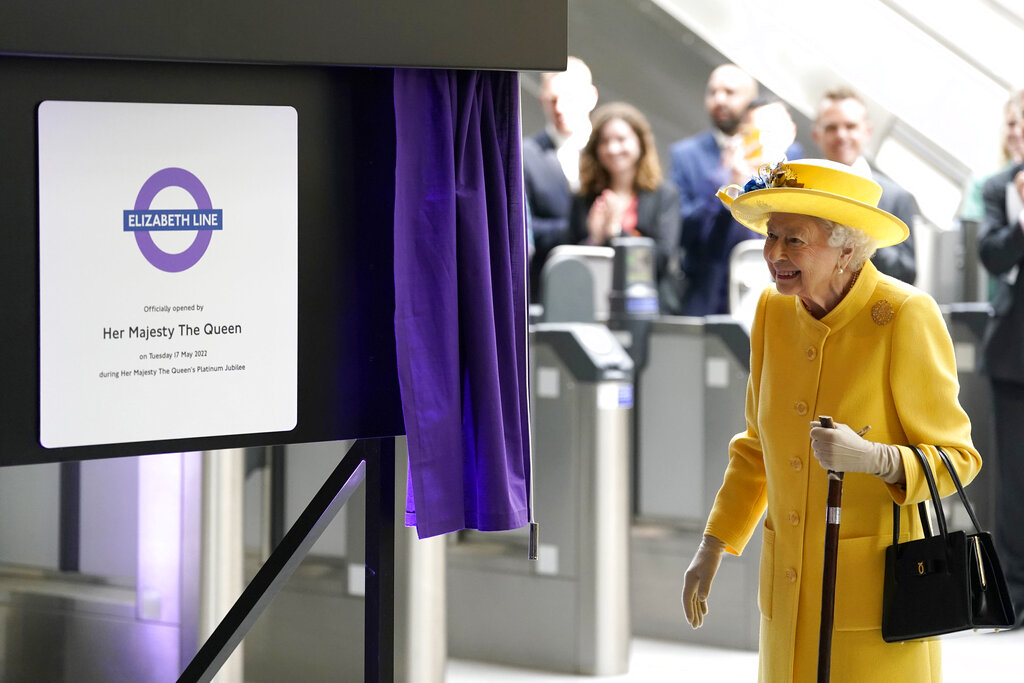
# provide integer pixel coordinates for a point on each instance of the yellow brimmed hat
(814, 187)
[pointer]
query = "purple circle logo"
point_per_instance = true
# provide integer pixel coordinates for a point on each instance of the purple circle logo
(142, 220)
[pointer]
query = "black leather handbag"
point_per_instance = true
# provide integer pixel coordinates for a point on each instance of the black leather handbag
(946, 582)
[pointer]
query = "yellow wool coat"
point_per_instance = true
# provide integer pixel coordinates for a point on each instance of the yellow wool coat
(882, 357)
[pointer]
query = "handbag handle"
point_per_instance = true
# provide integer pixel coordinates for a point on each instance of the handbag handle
(936, 501)
(959, 488)
(934, 490)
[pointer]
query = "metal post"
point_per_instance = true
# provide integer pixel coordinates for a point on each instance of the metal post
(70, 516)
(379, 616)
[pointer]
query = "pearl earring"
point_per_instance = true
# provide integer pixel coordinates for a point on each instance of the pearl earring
(840, 270)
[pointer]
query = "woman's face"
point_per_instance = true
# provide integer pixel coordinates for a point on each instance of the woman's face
(799, 257)
(618, 147)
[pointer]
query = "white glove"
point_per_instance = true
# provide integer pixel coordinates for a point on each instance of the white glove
(843, 450)
(698, 578)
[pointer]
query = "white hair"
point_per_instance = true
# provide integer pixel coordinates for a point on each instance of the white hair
(861, 245)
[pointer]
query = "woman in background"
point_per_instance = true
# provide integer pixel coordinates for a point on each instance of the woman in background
(622, 190)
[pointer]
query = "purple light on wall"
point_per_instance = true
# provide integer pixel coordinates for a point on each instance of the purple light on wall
(158, 588)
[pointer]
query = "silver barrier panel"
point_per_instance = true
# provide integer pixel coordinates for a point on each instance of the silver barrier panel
(748, 276)
(670, 452)
(966, 323)
(940, 261)
(690, 403)
(568, 610)
(575, 283)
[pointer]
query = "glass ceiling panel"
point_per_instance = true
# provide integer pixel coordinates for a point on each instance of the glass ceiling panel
(974, 28)
(798, 48)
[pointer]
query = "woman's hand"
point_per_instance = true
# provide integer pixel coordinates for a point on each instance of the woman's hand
(844, 450)
(605, 218)
(698, 578)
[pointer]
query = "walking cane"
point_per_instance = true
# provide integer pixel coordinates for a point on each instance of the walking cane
(828, 572)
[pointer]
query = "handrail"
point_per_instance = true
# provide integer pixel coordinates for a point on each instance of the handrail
(374, 460)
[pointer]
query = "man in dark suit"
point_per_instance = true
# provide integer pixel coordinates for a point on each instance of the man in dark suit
(696, 161)
(841, 129)
(762, 131)
(1001, 245)
(551, 159)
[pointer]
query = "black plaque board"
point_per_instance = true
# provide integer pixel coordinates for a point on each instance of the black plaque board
(347, 379)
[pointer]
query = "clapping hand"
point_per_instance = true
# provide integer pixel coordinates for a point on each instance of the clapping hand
(605, 218)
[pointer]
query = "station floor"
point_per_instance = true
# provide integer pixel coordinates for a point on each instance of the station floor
(973, 657)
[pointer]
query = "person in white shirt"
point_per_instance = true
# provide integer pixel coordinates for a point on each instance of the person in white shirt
(551, 159)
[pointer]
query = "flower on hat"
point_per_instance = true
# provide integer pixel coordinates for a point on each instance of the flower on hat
(779, 175)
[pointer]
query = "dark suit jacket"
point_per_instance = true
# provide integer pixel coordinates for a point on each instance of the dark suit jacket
(1001, 248)
(898, 260)
(657, 217)
(695, 170)
(549, 201)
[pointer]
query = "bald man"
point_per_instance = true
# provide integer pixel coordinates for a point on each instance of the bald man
(699, 166)
(696, 162)
(765, 136)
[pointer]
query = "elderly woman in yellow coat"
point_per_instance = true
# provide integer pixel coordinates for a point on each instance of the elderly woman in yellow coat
(833, 337)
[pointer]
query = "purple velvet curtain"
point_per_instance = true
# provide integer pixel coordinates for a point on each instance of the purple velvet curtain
(460, 299)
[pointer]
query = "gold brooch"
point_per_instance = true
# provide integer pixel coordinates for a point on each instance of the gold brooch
(780, 175)
(882, 312)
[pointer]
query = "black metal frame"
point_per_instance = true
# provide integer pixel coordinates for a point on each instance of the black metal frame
(374, 460)
(70, 530)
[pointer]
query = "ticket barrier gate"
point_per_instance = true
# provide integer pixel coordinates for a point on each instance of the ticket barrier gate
(966, 322)
(568, 610)
(576, 280)
(690, 402)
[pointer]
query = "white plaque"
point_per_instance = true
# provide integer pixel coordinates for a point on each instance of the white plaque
(168, 271)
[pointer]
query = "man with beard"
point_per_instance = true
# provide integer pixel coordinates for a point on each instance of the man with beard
(696, 161)
(699, 166)
(766, 135)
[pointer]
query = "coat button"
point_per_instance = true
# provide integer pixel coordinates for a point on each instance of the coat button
(812, 353)
(800, 407)
(791, 575)
(797, 464)
(794, 517)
